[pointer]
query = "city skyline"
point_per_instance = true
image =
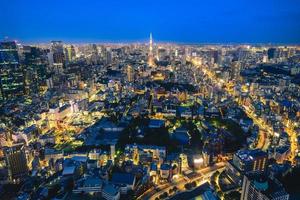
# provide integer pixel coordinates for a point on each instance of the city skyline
(150, 100)
(190, 23)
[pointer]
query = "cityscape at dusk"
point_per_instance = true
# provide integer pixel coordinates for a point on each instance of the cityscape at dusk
(150, 100)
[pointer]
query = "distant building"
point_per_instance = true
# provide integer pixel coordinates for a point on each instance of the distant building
(272, 53)
(35, 72)
(70, 53)
(58, 52)
(130, 74)
(58, 56)
(11, 72)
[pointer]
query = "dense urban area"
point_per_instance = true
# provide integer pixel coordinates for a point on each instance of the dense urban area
(149, 121)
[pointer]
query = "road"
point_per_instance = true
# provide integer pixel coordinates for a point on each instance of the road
(202, 174)
(263, 142)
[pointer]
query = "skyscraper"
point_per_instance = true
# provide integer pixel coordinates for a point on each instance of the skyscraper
(250, 160)
(130, 74)
(16, 161)
(58, 52)
(58, 55)
(11, 72)
(272, 53)
(70, 53)
(245, 161)
(261, 187)
(34, 69)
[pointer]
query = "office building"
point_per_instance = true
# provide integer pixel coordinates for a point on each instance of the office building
(34, 69)
(245, 161)
(58, 55)
(272, 53)
(130, 74)
(58, 52)
(11, 73)
(16, 162)
(70, 53)
(250, 160)
(260, 187)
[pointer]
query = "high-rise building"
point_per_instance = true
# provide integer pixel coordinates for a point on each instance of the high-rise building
(236, 69)
(108, 56)
(34, 69)
(216, 56)
(16, 161)
(261, 187)
(130, 74)
(250, 160)
(11, 72)
(70, 53)
(58, 52)
(245, 161)
(272, 53)
(161, 54)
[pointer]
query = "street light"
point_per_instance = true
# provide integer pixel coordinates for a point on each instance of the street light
(198, 160)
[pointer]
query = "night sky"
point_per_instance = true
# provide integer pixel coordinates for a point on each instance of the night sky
(185, 21)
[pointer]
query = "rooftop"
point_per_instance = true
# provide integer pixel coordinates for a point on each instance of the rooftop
(123, 178)
(269, 187)
(248, 155)
(110, 189)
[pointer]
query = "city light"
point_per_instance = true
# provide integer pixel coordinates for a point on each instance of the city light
(109, 109)
(198, 160)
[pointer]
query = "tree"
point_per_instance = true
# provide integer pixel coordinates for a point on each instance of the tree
(175, 188)
(193, 184)
(53, 190)
(235, 195)
(220, 193)
(166, 194)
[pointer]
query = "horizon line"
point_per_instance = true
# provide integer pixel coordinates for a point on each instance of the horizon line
(142, 41)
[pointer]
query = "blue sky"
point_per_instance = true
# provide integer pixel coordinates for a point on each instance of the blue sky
(189, 21)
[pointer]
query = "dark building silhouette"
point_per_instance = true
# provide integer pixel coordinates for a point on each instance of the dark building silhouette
(11, 72)
(16, 162)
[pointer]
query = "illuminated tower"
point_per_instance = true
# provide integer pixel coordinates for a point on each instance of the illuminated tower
(150, 55)
(150, 45)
